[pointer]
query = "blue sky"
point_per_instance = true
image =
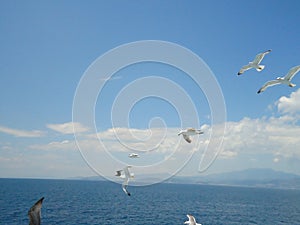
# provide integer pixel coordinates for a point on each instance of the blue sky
(47, 46)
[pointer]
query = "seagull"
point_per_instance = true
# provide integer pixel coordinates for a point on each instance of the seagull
(282, 80)
(190, 131)
(34, 213)
(126, 175)
(192, 220)
(256, 63)
(133, 155)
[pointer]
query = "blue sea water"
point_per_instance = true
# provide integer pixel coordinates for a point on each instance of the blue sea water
(100, 202)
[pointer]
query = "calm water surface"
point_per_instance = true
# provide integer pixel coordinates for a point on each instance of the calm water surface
(100, 202)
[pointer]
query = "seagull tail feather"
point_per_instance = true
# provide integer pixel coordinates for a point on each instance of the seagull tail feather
(260, 68)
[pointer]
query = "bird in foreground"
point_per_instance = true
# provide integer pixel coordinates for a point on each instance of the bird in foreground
(255, 63)
(133, 155)
(188, 132)
(192, 220)
(34, 213)
(126, 175)
(282, 80)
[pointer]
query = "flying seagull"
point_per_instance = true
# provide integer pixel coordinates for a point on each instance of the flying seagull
(126, 175)
(188, 132)
(255, 64)
(34, 213)
(282, 80)
(133, 155)
(192, 220)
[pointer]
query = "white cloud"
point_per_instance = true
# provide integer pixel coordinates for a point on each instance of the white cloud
(262, 136)
(21, 133)
(253, 141)
(291, 104)
(55, 145)
(159, 140)
(67, 128)
(247, 138)
(228, 154)
(6, 148)
(276, 160)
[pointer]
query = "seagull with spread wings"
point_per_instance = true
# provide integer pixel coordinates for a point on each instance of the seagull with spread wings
(133, 155)
(282, 80)
(126, 175)
(188, 132)
(255, 63)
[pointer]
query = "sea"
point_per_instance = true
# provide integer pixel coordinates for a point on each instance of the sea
(78, 202)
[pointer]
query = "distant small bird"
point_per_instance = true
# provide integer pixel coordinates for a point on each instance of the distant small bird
(126, 175)
(255, 63)
(133, 155)
(192, 220)
(282, 80)
(34, 213)
(188, 132)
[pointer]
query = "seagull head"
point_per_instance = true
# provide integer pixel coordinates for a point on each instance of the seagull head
(292, 85)
(199, 132)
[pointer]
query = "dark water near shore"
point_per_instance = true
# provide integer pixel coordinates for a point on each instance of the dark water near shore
(98, 202)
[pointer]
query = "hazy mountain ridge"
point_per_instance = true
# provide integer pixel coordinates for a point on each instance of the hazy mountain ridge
(249, 178)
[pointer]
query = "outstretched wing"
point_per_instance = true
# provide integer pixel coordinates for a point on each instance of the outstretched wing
(259, 57)
(34, 213)
(268, 84)
(244, 68)
(187, 138)
(126, 172)
(292, 72)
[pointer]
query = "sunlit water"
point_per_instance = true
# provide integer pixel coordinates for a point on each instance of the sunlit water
(97, 202)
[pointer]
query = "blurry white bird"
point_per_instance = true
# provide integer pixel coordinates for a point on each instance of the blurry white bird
(282, 80)
(255, 64)
(133, 155)
(188, 132)
(34, 213)
(192, 220)
(126, 175)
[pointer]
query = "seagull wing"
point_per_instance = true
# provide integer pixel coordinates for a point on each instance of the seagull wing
(34, 213)
(192, 220)
(124, 186)
(244, 68)
(126, 172)
(134, 155)
(268, 84)
(292, 72)
(187, 138)
(191, 130)
(259, 57)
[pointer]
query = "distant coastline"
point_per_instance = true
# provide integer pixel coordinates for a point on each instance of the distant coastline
(257, 178)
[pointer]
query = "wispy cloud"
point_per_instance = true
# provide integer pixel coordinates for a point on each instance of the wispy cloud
(67, 128)
(55, 145)
(21, 133)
